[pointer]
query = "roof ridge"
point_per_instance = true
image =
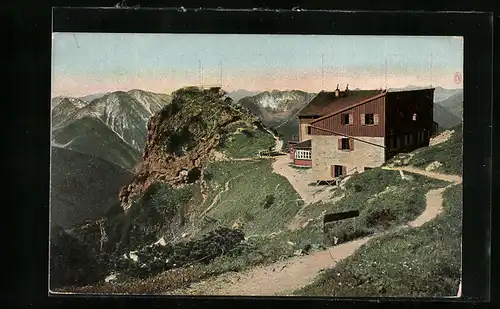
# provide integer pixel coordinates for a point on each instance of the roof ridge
(355, 104)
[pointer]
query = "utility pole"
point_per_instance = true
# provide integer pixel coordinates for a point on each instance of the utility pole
(430, 71)
(322, 74)
(221, 73)
(199, 72)
(386, 73)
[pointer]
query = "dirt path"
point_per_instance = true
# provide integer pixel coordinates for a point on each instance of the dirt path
(300, 180)
(434, 198)
(451, 178)
(283, 277)
(279, 143)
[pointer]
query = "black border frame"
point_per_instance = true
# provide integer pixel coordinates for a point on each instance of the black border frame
(476, 28)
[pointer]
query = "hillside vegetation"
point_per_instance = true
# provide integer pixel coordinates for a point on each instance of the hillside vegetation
(263, 213)
(383, 199)
(449, 154)
(421, 262)
(82, 187)
(246, 141)
(250, 194)
(230, 215)
(91, 136)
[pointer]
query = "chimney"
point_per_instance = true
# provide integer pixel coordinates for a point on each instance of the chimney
(337, 91)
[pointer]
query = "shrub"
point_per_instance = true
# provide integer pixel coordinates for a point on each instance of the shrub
(156, 258)
(269, 200)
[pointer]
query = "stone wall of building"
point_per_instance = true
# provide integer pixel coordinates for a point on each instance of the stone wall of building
(325, 154)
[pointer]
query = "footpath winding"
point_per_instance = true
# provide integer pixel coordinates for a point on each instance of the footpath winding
(285, 276)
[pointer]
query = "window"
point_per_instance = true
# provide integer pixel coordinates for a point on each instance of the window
(421, 137)
(407, 140)
(398, 142)
(392, 143)
(338, 170)
(411, 139)
(346, 119)
(345, 144)
(309, 130)
(369, 119)
(302, 154)
(414, 118)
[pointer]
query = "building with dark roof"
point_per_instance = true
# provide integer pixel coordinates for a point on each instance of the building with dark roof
(349, 131)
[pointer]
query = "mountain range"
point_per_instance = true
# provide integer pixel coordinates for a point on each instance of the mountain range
(111, 127)
(454, 104)
(440, 93)
(107, 135)
(241, 93)
(278, 109)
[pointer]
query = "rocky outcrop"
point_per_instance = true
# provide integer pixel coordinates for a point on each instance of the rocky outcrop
(181, 137)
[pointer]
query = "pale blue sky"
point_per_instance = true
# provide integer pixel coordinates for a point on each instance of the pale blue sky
(91, 62)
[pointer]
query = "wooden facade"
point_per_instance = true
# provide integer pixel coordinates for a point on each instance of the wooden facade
(357, 115)
(409, 118)
(364, 133)
(302, 162)
(302, 154)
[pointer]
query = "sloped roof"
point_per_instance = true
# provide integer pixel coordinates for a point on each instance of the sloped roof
(326, 102)
(304, 144)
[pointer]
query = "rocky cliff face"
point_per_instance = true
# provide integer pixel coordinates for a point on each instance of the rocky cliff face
(181, 137)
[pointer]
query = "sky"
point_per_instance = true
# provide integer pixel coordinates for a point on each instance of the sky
(88, 63)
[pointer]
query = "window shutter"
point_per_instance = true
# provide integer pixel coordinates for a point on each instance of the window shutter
(362, 119)
(339, 142)
(344, 170)
(351, 144)
(375, 119)
(351, 118)
(332, 171)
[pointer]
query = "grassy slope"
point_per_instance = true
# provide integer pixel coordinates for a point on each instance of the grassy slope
(245, 199)
(383, 199)
(248, 143)
(415, 262)
(83, 187)
(403, 204)
(91, 136)
(448, 153)
(250, 182)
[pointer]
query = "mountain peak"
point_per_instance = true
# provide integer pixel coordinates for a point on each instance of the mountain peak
(181, 137)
